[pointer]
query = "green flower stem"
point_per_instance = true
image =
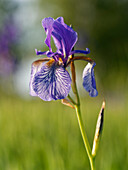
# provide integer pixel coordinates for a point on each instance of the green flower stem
(85, 140)
(73, 102)
(78, 113)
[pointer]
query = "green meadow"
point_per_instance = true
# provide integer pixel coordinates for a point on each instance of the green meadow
(38, 135)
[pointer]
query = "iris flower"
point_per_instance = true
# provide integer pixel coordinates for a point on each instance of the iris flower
(49, 78)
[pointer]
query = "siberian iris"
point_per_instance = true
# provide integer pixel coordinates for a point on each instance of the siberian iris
(49, 78)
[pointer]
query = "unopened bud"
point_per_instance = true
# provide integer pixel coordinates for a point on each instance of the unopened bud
(98, 131)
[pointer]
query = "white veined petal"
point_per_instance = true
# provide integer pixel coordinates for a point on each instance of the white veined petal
(52, 82)
(89, 82)
(35, 67)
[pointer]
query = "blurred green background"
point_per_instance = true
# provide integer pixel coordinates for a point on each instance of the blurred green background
(38, 135)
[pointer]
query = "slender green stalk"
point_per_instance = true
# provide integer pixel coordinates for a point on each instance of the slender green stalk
(85, 140)
(70, 98)
(78, 113)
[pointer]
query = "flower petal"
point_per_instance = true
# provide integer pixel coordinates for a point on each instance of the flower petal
(61, 20)
(40, 52)
(47, 23)
(58, 41)
(57, 38)
(52, 82)
(36, 67)
(89, 80)
(48, 53)
(68, 35)
(80, 51)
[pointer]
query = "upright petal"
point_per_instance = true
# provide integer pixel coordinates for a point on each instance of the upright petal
(67, 34)
(52, 82)
(57, 38)
(89, 80)
(58, 42)
(61, 20)
(47, 23)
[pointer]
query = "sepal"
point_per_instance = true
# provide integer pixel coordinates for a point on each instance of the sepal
(89, 82)
(51, 82)
(67, 103)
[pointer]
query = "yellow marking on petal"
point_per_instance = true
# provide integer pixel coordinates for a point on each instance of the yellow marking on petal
(60, 62)
(60, 59)
(40, 61)
(70, 56)
(50, 63)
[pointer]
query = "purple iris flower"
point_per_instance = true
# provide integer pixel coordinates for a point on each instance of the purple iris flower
(49, 78)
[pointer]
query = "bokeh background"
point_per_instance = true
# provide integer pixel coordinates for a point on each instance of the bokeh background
(38, 135)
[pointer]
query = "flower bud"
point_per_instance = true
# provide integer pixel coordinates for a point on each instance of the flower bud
(98, 131)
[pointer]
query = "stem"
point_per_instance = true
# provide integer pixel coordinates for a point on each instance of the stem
(78, 113)
(70, 98)
(85, 140)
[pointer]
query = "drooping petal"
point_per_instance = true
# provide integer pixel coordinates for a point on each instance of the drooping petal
(36, 67)
(52, 82)
(68, 35)
(47, 23)
(89, 82)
